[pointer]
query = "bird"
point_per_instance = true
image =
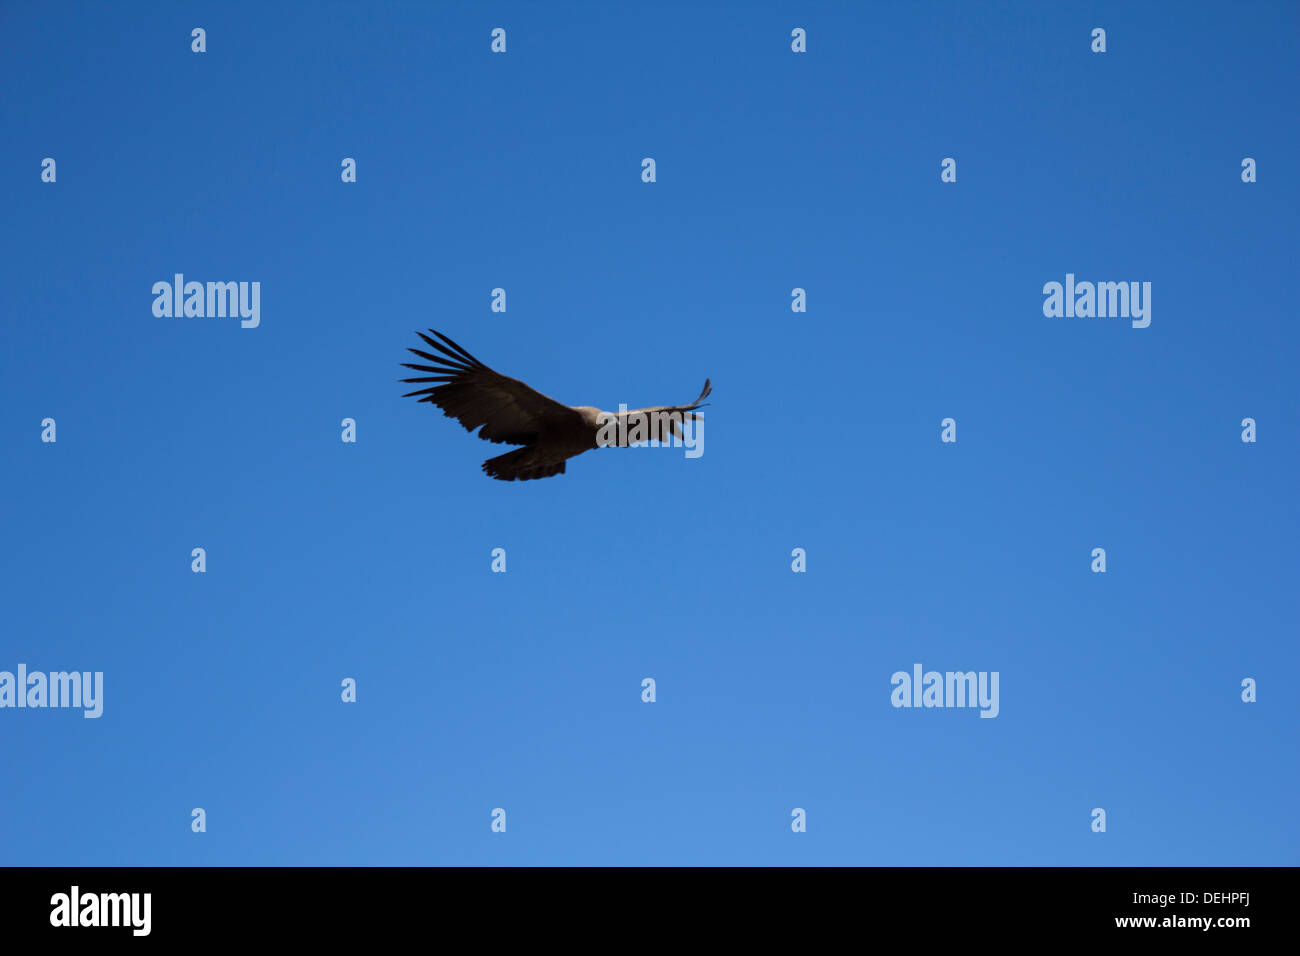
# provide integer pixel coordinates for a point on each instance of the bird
(506, 411)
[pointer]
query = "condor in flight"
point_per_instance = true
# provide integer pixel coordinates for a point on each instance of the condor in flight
(511, 412)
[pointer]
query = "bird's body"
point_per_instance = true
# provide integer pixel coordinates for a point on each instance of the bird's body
(510, 412)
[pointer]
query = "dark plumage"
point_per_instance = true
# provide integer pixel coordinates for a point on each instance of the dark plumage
(508, 411)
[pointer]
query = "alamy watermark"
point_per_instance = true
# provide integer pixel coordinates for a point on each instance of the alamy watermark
(213, 300)
(82, 689)
(76, 908)
(947, 689)
(1102, 300)
(652, 428)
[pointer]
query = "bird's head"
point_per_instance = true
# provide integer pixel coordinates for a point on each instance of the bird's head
(594, 417)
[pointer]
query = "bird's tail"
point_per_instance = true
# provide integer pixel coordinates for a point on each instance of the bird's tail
(522, 464)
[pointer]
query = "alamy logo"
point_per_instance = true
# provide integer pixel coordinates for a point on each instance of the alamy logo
(653, 429)
(1103, 300)
(102, 909)
(949, 689)
(55, 689)
(216, 300)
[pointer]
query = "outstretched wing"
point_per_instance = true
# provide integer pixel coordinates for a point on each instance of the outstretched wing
(470, 392)
(664, 421)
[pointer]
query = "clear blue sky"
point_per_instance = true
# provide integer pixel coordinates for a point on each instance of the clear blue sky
(522, 690)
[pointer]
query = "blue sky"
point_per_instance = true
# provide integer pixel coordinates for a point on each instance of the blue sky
(522, 690)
